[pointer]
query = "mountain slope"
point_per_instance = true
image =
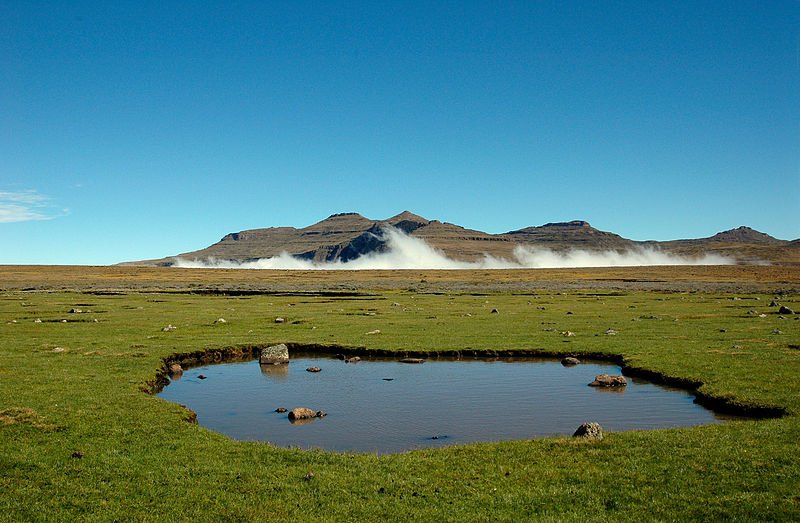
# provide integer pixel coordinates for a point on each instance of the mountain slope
(346, 236)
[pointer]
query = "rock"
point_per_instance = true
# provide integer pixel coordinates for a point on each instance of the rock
(591, 430)
(495, 311)
(354, 359)
(274, 355)
(773, 303)
(395, 304)
(605, 380)
(202, 377)
(37, 320)
(58, 349)
(309, 476)
(75, 311)
(77, 454)
(412, 360)
(569, 361)
(376, 331)
(221, 320)
(567, 333)
(281, 410)
(785, 310)
(313, 369)
(175, 369)
(777, 331)
(280, 320)
(611, 332)
(169, 328)
(301, 413)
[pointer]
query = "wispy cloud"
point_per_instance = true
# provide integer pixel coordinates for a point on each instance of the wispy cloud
(27, 206)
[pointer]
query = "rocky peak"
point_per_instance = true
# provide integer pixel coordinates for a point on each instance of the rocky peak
(743, 234)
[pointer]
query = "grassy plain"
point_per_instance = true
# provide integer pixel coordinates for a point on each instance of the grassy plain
(79, 440)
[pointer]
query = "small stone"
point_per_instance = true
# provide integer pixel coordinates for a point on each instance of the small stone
(376, 331)
(77, 454)
(591, 430)
(354, 359)
(569, 361)
(202, 377)
(169, 328)
(313, 369)
(221, 320)
(567, 333)
(281, 410)
(309, 476)
(611, 332)
(58, 349)
(785, 310)
(773, 303)
(280, 320)
(37, 320)
(395, 304)
(75, 311)
(605, 380)
(495, 311)
(777, 331)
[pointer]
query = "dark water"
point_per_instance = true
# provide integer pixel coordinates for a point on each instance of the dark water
(383, 406)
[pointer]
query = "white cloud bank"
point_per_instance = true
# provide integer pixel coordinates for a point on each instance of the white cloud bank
(408, 252)
(26, 206)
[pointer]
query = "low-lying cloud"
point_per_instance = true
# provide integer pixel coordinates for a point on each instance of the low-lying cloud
(408, 252)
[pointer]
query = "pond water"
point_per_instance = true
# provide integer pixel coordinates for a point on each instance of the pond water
(381, 405)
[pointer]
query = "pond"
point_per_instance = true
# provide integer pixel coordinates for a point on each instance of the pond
(383, 406)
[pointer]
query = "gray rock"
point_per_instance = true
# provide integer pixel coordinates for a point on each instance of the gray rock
(569, 361)
(785, 310)
(354, 359)
(605, 380)
(274, 355)
(412, 360)
(280, 320)
(591, 430)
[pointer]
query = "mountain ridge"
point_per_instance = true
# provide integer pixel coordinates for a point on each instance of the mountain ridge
(345, 236)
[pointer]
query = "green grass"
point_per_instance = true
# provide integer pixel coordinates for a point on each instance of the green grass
(140, 460)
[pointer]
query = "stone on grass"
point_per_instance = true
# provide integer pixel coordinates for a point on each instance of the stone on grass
(605, 380)
(221, 320)
(274, 355)
(591, 430)
(785, 310)
(280, 320)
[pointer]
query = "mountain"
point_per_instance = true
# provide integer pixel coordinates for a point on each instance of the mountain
(346, 236)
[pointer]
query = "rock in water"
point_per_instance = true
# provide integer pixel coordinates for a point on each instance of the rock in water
(412, 360)
(568, 361)
(303, 413)
(604, 380)
(591, 430)
(274, 355)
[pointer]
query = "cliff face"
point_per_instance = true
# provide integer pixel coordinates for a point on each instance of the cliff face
(344, 237)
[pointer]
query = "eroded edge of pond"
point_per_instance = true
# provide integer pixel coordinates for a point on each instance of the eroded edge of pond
(251, 352)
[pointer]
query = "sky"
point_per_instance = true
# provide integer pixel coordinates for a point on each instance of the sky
(138, 130)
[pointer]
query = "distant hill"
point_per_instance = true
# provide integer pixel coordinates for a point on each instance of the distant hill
(346, 236)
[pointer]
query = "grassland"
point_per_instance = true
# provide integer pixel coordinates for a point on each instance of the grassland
(79, 440)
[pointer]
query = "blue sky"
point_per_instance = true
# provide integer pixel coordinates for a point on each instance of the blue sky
(134, 130)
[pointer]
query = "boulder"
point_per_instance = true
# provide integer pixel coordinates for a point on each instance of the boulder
(274, 355)
(591, 430)
(175, 369)
(605, 380)
(354, 359)
(569, 361)
(303, 413)
(313, 369)
(785, 310)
